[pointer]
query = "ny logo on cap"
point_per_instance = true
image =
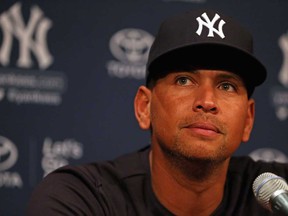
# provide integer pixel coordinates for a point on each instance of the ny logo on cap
(205, 21)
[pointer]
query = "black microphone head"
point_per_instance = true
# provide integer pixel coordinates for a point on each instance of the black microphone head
(265, 186)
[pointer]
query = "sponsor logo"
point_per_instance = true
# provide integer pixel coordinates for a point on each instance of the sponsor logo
(279, 94)
(57, 154)
(205, 21)
(20, 85)
(268, 154)
(130, 47)
(8, 158)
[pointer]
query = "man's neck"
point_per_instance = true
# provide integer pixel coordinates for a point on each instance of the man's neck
(192, 190)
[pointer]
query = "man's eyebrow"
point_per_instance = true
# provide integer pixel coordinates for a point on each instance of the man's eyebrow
(231, 76)
(223, 74)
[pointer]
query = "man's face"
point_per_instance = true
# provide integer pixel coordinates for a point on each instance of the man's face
(204, 114)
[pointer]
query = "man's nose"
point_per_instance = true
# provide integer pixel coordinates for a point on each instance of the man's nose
(206, 100)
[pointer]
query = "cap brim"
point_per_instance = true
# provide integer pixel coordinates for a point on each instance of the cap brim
(212, 56)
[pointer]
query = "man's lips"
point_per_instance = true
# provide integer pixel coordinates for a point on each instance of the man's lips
(203, 128)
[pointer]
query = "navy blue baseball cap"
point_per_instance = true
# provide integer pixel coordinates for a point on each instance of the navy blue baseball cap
(205, 39)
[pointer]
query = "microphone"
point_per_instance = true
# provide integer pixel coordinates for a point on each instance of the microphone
(271, 191)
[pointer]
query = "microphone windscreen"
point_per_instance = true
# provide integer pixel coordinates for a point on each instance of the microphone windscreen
(265, 185)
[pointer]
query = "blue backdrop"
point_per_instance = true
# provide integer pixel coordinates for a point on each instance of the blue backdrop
(69, 71)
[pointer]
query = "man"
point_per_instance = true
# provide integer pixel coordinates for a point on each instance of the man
(197, 104)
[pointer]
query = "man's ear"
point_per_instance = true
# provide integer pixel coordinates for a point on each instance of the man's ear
(249, 120)
(142, 107)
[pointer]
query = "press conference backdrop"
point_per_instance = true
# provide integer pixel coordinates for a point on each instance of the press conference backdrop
(69, 71)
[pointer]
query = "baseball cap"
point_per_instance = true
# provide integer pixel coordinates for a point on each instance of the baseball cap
(205, 39)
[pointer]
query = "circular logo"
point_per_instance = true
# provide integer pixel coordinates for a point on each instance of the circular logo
(8, 154)
(269, 155)
(131, 46)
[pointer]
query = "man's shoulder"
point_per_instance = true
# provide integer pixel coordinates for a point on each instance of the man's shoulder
(245, 165)
(94, 188)
(124, 166)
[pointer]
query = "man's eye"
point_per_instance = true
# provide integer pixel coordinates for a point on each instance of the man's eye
(183, 81)
(227, 87)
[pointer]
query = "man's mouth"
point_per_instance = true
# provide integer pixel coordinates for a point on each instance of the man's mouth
(203, 129)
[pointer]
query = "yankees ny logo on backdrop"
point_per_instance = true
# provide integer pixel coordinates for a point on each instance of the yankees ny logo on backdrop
(12, 24)
(205, 21)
